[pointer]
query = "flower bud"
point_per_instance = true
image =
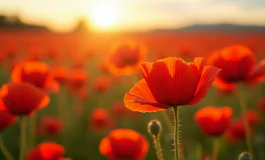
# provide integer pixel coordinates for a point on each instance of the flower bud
(244, 156)
(154, 128)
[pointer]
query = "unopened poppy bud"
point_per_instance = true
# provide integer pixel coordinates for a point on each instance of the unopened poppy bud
(154, 128)
(244, 156)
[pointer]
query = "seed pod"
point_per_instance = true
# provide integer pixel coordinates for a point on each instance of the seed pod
(154, 128)
(244, 156)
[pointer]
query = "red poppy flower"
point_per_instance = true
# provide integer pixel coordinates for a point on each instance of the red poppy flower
(46, 151)
(125, 59)
(6, 119)
(213, 121)
(100, 119)
(261, 104)
(226, 91)
(53, 53)
(51, 126)
(185, 51)
(12, 51)
(78, 79)
(102, 84)
(60, 74)
(124, 143)
(238, 63)
(2, 56)
(253, 118)
(33, 54)
(36, 73)
(170, 82)
(82, 93)
(236, 131)
(119, 110)
(23, 98)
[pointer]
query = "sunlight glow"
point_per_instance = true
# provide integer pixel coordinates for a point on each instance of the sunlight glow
(104, 15)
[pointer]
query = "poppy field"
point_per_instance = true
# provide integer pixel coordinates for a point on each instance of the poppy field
(193, 95)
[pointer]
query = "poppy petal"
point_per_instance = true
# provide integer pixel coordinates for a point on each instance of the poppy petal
(16, 74)
(208, 76)
(140, 98)
(258, 73)
(186, 78)
(105, 148)
(236, 62)
(45, 101)
(144, 149)
(18, 102)
(222, 85)
(152, 74)
(2, 106)
(199, 62)
(52, 86)
(181, 79)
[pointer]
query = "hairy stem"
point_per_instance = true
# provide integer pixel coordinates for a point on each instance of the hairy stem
(176, 132)
(158, 149)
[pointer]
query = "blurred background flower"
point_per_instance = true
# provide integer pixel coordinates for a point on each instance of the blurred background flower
(88, 54)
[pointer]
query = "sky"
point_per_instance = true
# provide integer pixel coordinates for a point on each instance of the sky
(62, 15)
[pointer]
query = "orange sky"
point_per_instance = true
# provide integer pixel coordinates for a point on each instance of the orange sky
(61, 15)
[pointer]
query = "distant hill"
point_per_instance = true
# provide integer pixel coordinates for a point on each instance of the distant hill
(15, 23)
(216, 27)
(7, 22)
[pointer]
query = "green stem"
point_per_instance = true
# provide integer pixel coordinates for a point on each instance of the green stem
(215, 148)
(176, 132)
(158, 149)
(22, 137)
(245, 121)
(33, 123)
(4, 150)
(198, 151)
(167, 120)
(62, 101)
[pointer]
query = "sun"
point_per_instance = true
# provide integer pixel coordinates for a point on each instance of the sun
(104, 15)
